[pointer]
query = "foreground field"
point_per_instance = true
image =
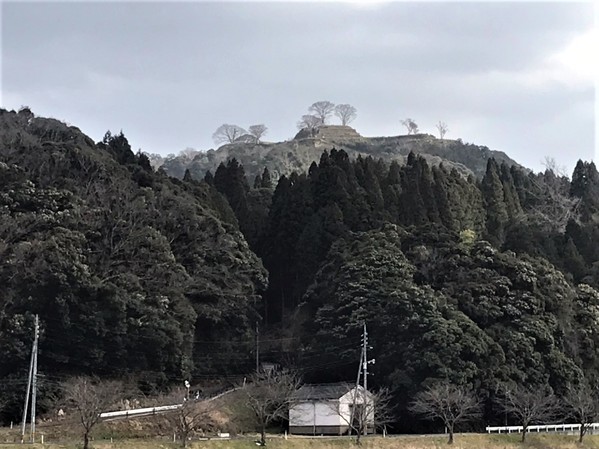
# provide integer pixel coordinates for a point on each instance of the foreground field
(466, 441)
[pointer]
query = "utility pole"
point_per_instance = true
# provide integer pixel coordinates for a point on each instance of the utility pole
(365, 380)
(365, 358)
(29, 381)
(257, 348)
(34, 379)
(355, 395)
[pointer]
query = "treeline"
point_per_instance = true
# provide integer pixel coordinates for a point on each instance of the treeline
(479, 282)
(133, 274)
(482, 283)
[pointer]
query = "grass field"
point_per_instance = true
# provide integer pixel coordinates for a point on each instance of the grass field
(466, 441)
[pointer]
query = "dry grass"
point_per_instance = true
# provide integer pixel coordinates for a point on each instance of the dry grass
(466, 441)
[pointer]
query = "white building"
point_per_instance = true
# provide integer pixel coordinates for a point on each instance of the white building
(326, 409)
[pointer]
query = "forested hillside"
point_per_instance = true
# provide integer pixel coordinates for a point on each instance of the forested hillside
(297, 154)
(480, 281)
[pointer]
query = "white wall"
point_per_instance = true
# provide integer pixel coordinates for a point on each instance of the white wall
(315, 413)
(327, 414)
(348, 399)
(301, 414)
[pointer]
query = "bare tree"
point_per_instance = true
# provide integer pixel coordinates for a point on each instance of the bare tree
(346, 112)
(551, 164)
(192, 415)
(442, 128)
(188, 153)
(268, 394)
(410, 125)
(227, 133)
(322, 110)
(90, 397)
(450, 403)
(309, 122)
(365, 410)
(258, 131)
(582, 405)
(529, 406)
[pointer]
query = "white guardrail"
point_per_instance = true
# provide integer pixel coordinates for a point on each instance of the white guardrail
(541, 428)
(154, 410)
(139, 411)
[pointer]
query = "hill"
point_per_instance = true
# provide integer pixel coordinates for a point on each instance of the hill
(488, 283)
(282, 158)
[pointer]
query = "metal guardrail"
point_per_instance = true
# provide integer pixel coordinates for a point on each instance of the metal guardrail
(154, 410)
(140, 411)
(541, 428)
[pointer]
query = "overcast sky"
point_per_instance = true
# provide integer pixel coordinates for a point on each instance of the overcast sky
(516, 77)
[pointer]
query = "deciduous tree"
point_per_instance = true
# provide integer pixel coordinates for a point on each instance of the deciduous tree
(90, 397)
(268, 394)
(450, 403)
(322, 110)
(346, 112)
(258, 131)
(309, 122)
(582, 405)
(191, 416)
(410, 125)
(442, 128)
(529, 405)
(227, 133)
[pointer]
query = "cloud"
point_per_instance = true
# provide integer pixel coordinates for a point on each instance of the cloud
(169, 73)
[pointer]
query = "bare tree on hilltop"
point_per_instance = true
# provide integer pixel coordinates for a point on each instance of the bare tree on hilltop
(228, 133)
(442, 128)
(410, 125)
(322, 110)
(309, 122)
(346, 112)
(258, 131)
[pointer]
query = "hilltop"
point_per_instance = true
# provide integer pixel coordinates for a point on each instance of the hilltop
(297, 154)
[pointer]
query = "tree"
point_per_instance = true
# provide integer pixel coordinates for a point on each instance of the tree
(188, 153)
(258, 131)
(450, 403)
(322, 110)
(410, 125)
(309, 122)
(442, 128)
(90, 397)
(190, 417)
(228, 133)
(346, 112)
(268, 394)
(582, 405)
(373, 410)
(529, 406)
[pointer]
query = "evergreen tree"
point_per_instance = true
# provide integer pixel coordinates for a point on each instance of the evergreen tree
(265, 181)
(493, 195)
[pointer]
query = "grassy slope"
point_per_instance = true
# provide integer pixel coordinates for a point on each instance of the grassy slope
(470, 441)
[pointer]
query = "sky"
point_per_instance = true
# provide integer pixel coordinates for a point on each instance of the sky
(518, 77)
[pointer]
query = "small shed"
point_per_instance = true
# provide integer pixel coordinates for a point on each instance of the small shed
(326, 409)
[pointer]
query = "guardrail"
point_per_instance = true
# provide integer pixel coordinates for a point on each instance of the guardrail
(541, 428)
(140, 411)
(154, 410)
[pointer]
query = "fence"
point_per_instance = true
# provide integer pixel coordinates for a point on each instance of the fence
(542, 428)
